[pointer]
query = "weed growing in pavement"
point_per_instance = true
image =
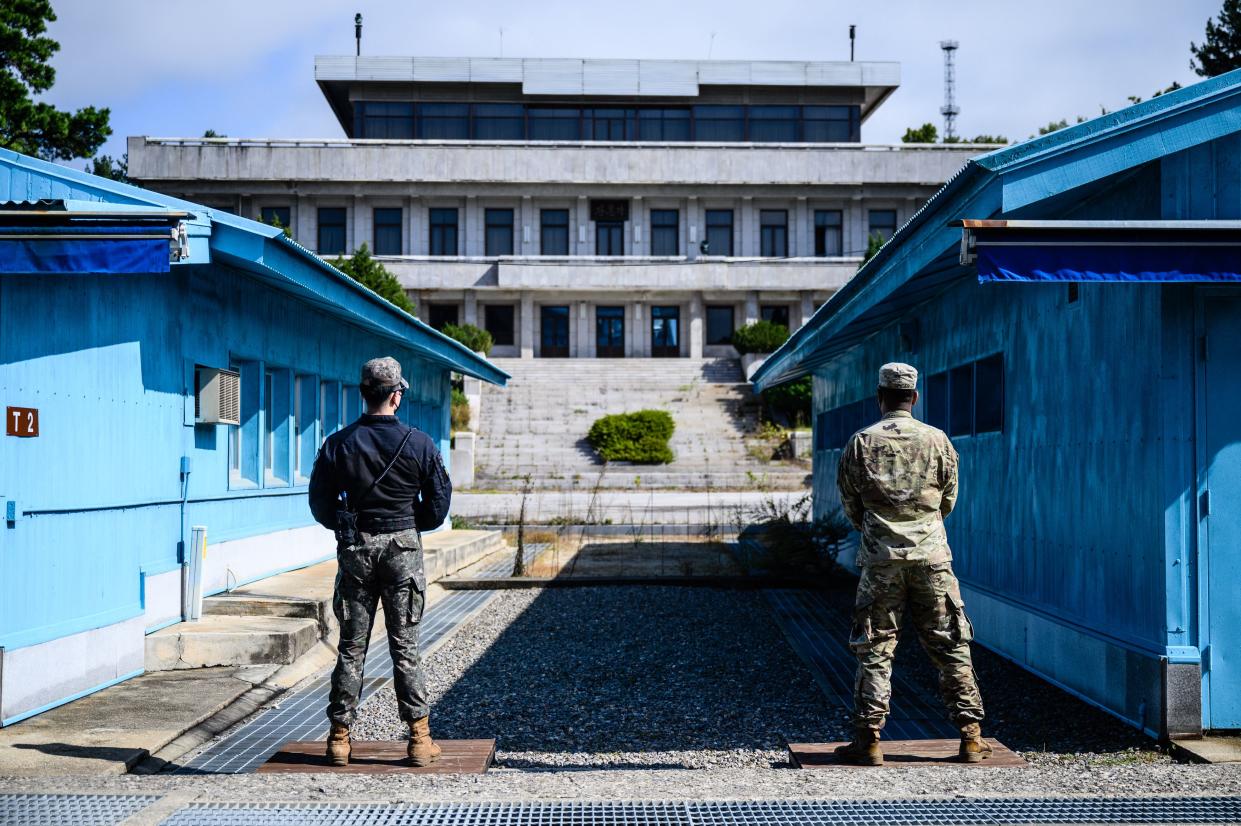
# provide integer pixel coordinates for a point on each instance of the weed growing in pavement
(519, 560)
(781, 535)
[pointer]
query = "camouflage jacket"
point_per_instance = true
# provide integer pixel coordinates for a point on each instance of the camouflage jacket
(898, 480)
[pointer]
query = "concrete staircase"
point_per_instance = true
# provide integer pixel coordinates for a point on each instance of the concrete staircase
(537, 425)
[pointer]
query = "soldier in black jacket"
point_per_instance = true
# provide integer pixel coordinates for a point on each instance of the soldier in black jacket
(385, 562)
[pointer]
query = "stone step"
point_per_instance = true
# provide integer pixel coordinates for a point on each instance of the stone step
(217, 640)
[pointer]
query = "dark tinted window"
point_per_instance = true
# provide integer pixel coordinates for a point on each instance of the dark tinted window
(388, 231)
(719, 123)
(719, 235)
(989, 394)
(774, 232)
(554, 124)
(332, 231)
(609, 238)
(774, 123)
(828, 224)
(721, 321)
(447, 121)
(499, 121)
(444, 231)
(498, 239)
(384, 120)
(609, 124)
(776, 314)
(442, 314)
(961, 400)
(276, 215)
(554, 232)
(831, 124)
(936, 402)
(665, 232)
(498, 320)
(882, 222)
(663, 125)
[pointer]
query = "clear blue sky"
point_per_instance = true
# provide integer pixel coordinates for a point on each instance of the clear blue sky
(246, 69)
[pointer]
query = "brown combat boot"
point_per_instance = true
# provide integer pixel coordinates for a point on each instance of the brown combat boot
(423, 751)
(338, 747)
(974, 749)
(863, 751)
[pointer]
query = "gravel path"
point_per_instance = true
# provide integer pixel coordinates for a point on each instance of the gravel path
(655, 677)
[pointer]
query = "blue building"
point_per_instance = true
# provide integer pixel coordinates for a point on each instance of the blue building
(133, 327)
(1073, 305)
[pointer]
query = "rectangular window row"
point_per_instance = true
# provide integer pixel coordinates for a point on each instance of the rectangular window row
(665, 234)
(833, 428)
(519, 121)
(285, 416)
(969, 399)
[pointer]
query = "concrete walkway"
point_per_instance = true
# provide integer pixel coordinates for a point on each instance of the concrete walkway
(627, 507)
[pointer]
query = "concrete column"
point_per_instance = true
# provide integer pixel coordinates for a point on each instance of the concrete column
(807, 308)
(637, 226)
(470, 316)
(359, 226)
(580, 242)
(697, 325)
(690, 228)
(855, 230)
(747, 220)
(639, 333)
(471, 241)
(751, 307)
(801, 234)
(526, 337)
(585, 342)
(416, 235)
(525, 229)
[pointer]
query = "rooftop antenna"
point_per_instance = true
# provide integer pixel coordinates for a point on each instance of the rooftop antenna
(710, 45)
(852, 38)
(501, 41)
(357, 31)
(949, 110)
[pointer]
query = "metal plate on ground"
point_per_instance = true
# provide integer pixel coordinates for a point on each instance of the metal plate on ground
(923, 812)
(71, 809)
(382, 757)
(906, 753)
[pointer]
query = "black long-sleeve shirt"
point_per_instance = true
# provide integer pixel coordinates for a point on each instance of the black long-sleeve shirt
(415, 493)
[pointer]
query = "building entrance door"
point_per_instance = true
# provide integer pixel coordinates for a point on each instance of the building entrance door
(665, 332)
(554, 336)
(1219, 454)
(610, 332)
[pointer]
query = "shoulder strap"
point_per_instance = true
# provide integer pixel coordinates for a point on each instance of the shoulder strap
(380, 477)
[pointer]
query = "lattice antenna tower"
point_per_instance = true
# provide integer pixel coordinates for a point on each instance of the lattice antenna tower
(950, 110)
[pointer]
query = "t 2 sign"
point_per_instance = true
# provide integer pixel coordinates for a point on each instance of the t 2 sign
(21, 421)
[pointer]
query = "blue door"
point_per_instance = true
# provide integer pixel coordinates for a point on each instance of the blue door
(1220, 500)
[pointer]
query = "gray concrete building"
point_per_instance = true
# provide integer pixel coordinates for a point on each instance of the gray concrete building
(583, 208)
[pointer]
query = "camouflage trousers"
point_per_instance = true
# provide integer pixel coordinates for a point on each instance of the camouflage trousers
(934, 598)
(384, 567)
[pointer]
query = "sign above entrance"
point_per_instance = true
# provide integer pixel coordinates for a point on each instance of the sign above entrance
(609, 210)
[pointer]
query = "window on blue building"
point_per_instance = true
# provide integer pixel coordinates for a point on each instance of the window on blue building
(331, 231)
(719, 123)
(305, 389)
(665, 232)
(499, 121)
(276, 393)
(554, 124)
(554, 232)
(989, 394)
(388, 231)
(961, 400)
(244, 439)
(936, 401)
(498, 235)
(329, 408)
(350, 404)
(443, 231)
(444, 121)
(774, 124)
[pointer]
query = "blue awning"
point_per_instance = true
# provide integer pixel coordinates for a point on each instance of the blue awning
(1158, 252)
(89, 248)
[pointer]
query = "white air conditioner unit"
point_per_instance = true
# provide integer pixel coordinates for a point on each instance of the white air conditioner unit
(218, 396)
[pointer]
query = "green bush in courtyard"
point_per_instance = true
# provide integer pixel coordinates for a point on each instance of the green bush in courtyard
(760, 337)
(476, 338)
(789, 403)
(640, 437)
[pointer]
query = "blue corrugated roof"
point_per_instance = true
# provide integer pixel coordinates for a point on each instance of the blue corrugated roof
(258, 248)
(919, 259)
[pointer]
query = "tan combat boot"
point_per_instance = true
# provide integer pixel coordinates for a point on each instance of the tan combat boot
(863, 751)
(422, 749)
(974, 749)
(338, 747)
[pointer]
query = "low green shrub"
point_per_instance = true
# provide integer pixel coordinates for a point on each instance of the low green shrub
(640, 437)
(459, 411)
(760, 337)
(476, 338)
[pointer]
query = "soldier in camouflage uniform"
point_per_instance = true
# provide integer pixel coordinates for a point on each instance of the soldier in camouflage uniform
(898, 480)
(392, 477)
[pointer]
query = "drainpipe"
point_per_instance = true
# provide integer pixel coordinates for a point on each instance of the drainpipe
(183, 549)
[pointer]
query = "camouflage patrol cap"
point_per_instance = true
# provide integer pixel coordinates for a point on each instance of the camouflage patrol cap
(896, 375)
(383, 374)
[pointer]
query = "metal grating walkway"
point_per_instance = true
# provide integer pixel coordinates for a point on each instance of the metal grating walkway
(820, 636)
(972, 811)
(70, 809)
(301, 716)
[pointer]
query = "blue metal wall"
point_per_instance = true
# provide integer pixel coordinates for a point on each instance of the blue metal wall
(108, 360)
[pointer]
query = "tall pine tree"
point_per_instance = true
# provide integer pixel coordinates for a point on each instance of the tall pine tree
(1221, 51)
(368, 272)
